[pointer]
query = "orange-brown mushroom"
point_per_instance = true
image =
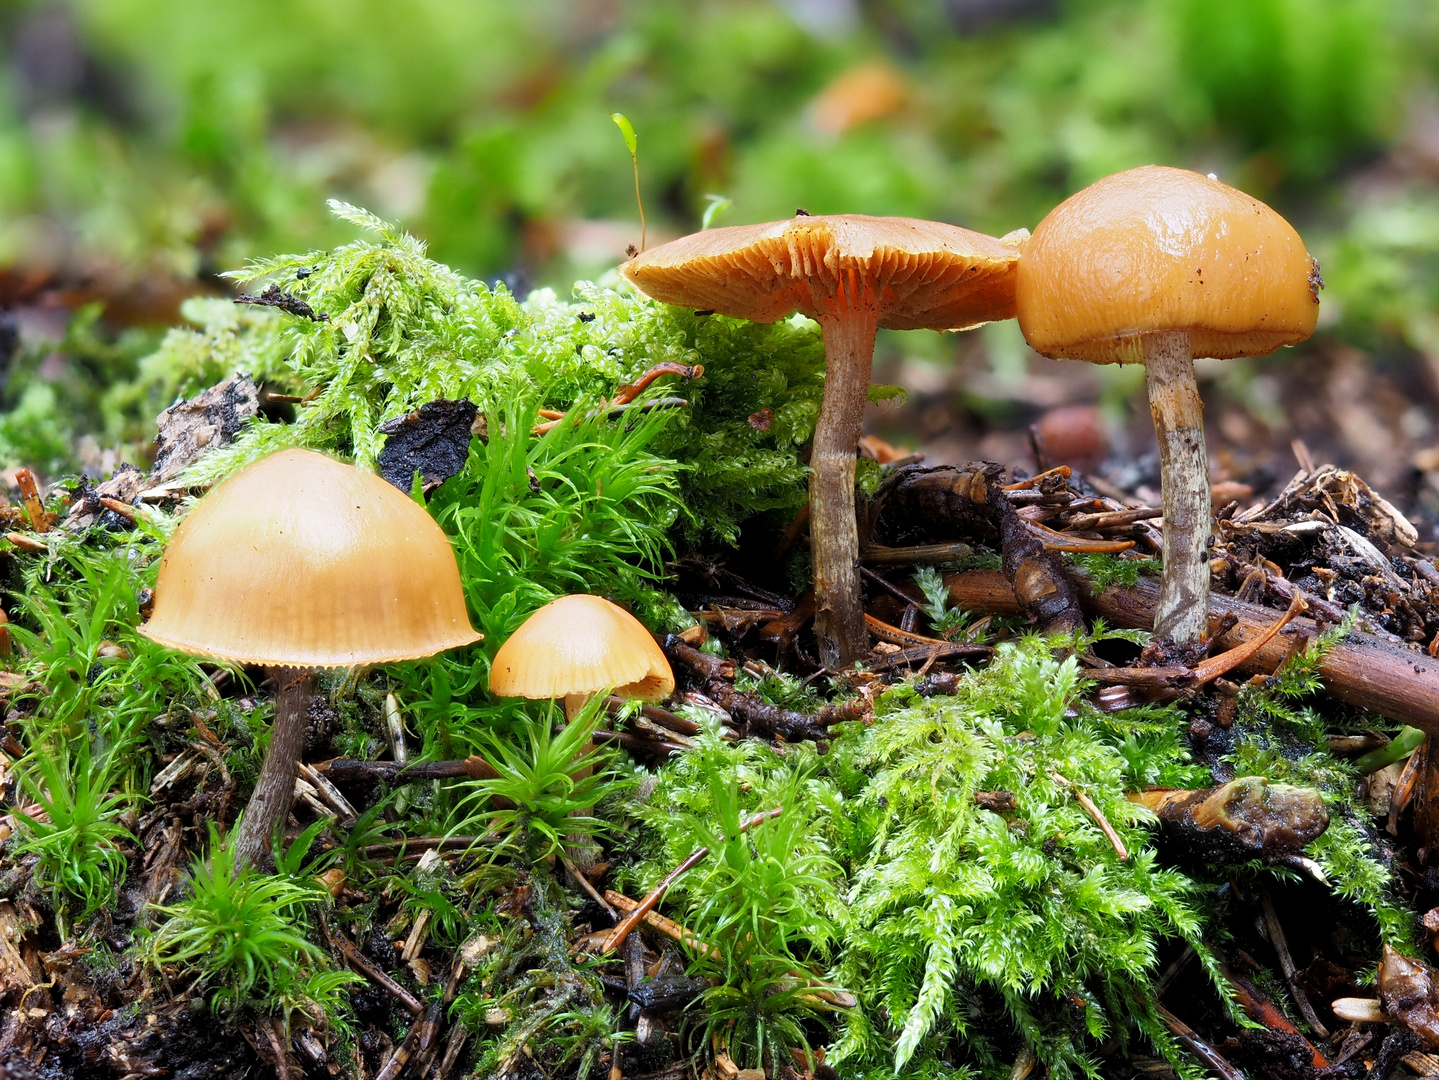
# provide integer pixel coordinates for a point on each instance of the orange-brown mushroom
(1159, 265)
(576, 646)
(853, 274)
(299, 562)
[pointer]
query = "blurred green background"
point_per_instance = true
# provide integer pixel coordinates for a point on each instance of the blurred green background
(147, 144)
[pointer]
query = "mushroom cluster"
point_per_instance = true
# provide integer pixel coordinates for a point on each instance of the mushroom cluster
(1154, 265)
(295, 563)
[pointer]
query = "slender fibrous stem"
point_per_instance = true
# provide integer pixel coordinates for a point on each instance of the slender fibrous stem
(1183, 610)
(274, 790)
(848, 331)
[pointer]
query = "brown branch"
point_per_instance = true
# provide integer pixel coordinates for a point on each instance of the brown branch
(352, 957)
(1363, 670)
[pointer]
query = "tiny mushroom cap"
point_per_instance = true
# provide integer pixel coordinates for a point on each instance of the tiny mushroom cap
(302, 561)
(854, 275)
(579, 645)
(1159, 249)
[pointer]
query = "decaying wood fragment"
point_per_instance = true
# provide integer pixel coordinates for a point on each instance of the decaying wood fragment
(917, 505)
(1407, 993)
(210, 419)
(29, 485)
(1243, 819)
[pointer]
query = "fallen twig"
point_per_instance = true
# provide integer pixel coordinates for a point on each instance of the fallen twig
(1197, 1046)
(759, 716)
(354, 959)
(1286, 964)
(1094, 812)
(651, 901)
(925, 653)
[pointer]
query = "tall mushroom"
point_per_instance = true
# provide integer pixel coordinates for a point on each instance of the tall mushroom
(576, 646)
(1159, 265)
(299, 562)
(853, 275)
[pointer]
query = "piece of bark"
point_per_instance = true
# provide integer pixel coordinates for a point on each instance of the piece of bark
(434, 441)
(209, 419)
(1363, 670)
(1240, 820)
(1407, 992)
(918, 504)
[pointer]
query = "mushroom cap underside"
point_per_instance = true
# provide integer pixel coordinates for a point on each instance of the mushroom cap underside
(302, 561)
(1159, 249)
(918, 274)
(581, 644)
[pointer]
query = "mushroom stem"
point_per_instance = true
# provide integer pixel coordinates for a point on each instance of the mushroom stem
(834, 539)
(275, 788)
(1183, 610)
(581, 850)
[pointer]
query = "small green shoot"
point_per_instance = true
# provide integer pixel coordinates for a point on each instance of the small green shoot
(1397, 749)
(239, 930)
(78, 833)
(632, 144)
(545, 776)
(715, 205)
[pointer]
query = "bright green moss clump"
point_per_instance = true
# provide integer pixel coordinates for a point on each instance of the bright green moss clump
(395, 330)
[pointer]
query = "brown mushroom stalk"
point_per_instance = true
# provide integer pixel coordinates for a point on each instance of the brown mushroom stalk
(854, 275)
(834, 542)
(1178, 413)
(275, 786)
(1159, 265)
(296, 563)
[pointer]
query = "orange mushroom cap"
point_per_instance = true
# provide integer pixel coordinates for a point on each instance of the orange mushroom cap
(580, 645)
(301, 561)
(922, 275)
(1159, 249)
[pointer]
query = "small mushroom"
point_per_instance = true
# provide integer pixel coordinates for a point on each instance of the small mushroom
(299, 562)
(1157, 266)
(853, 275)
(576, 646)
(573, 648)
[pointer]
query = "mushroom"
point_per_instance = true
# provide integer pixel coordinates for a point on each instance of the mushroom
(576, 646)
(853, 274)
(299, 562)
(573, 648)
(1160, 265)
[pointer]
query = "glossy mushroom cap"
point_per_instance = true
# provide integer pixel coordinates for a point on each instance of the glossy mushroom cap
(580, 645)
(301, 561)
(922, 275)
(1159, 249)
